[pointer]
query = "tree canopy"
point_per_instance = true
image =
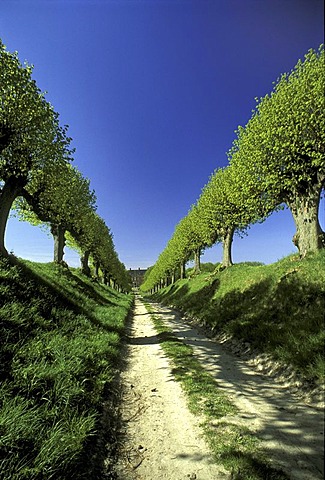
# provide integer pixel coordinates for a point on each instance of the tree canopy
(36, 172)
(281, 149)
(277, 158)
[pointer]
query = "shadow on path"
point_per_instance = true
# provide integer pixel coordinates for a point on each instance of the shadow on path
(292, 432)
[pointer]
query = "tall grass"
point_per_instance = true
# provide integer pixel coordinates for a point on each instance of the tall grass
(59, 353)
(279, 309)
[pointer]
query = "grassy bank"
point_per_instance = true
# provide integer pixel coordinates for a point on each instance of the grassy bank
(60, 345)
(279, 308)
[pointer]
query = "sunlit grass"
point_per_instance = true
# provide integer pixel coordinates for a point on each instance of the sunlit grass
(279, 309)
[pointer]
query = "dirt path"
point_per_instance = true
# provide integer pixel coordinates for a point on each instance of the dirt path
(163, 440)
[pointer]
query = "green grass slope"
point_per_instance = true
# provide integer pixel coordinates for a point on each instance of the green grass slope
(279, 309)
(60, 348)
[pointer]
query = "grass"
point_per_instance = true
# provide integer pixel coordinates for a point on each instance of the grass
(231, 443)
(279, 309)
(61, 334)
(60, 350)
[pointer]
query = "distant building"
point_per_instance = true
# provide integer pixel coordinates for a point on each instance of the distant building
(137, 276)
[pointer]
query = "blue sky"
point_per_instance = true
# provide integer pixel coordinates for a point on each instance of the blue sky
(153, 91)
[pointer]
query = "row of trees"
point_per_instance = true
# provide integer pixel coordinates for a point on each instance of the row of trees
(277, 159)
(37, 177)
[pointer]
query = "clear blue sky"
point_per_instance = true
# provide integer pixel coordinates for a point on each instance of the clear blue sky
(153, 91)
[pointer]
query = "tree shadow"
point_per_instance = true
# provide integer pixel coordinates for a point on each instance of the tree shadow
(51, 290)
(283, 317)
(154, 339)
(292, 432)
(186, 301)
(175, 293)
(31, 306)
(273, 317)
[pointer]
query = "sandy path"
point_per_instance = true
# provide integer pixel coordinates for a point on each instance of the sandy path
(163, 440)
(163, 437)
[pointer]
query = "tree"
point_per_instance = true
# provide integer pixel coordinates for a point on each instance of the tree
(60, 197)
(30, 134)
(282, 147)
(194, 238)
(66, 201)
(229, 204)
(218, 213)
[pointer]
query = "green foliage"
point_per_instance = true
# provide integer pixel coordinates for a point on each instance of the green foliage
(35, 136)
(36, 174)
(279, 308)
(277, 158)
(280, 153)
(59, 356)
(225, 206)
(59, 196)
(285, 137)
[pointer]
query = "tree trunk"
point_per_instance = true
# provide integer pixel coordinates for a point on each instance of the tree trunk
(59, 242)
(97, 269)
(227, 244)
(12, 188)
(84, 263)
(183, 272)
(197, 260)
(173, 276)
(309, 236)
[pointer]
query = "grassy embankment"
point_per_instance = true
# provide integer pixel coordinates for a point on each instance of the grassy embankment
(60, 346)
(278, 309)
